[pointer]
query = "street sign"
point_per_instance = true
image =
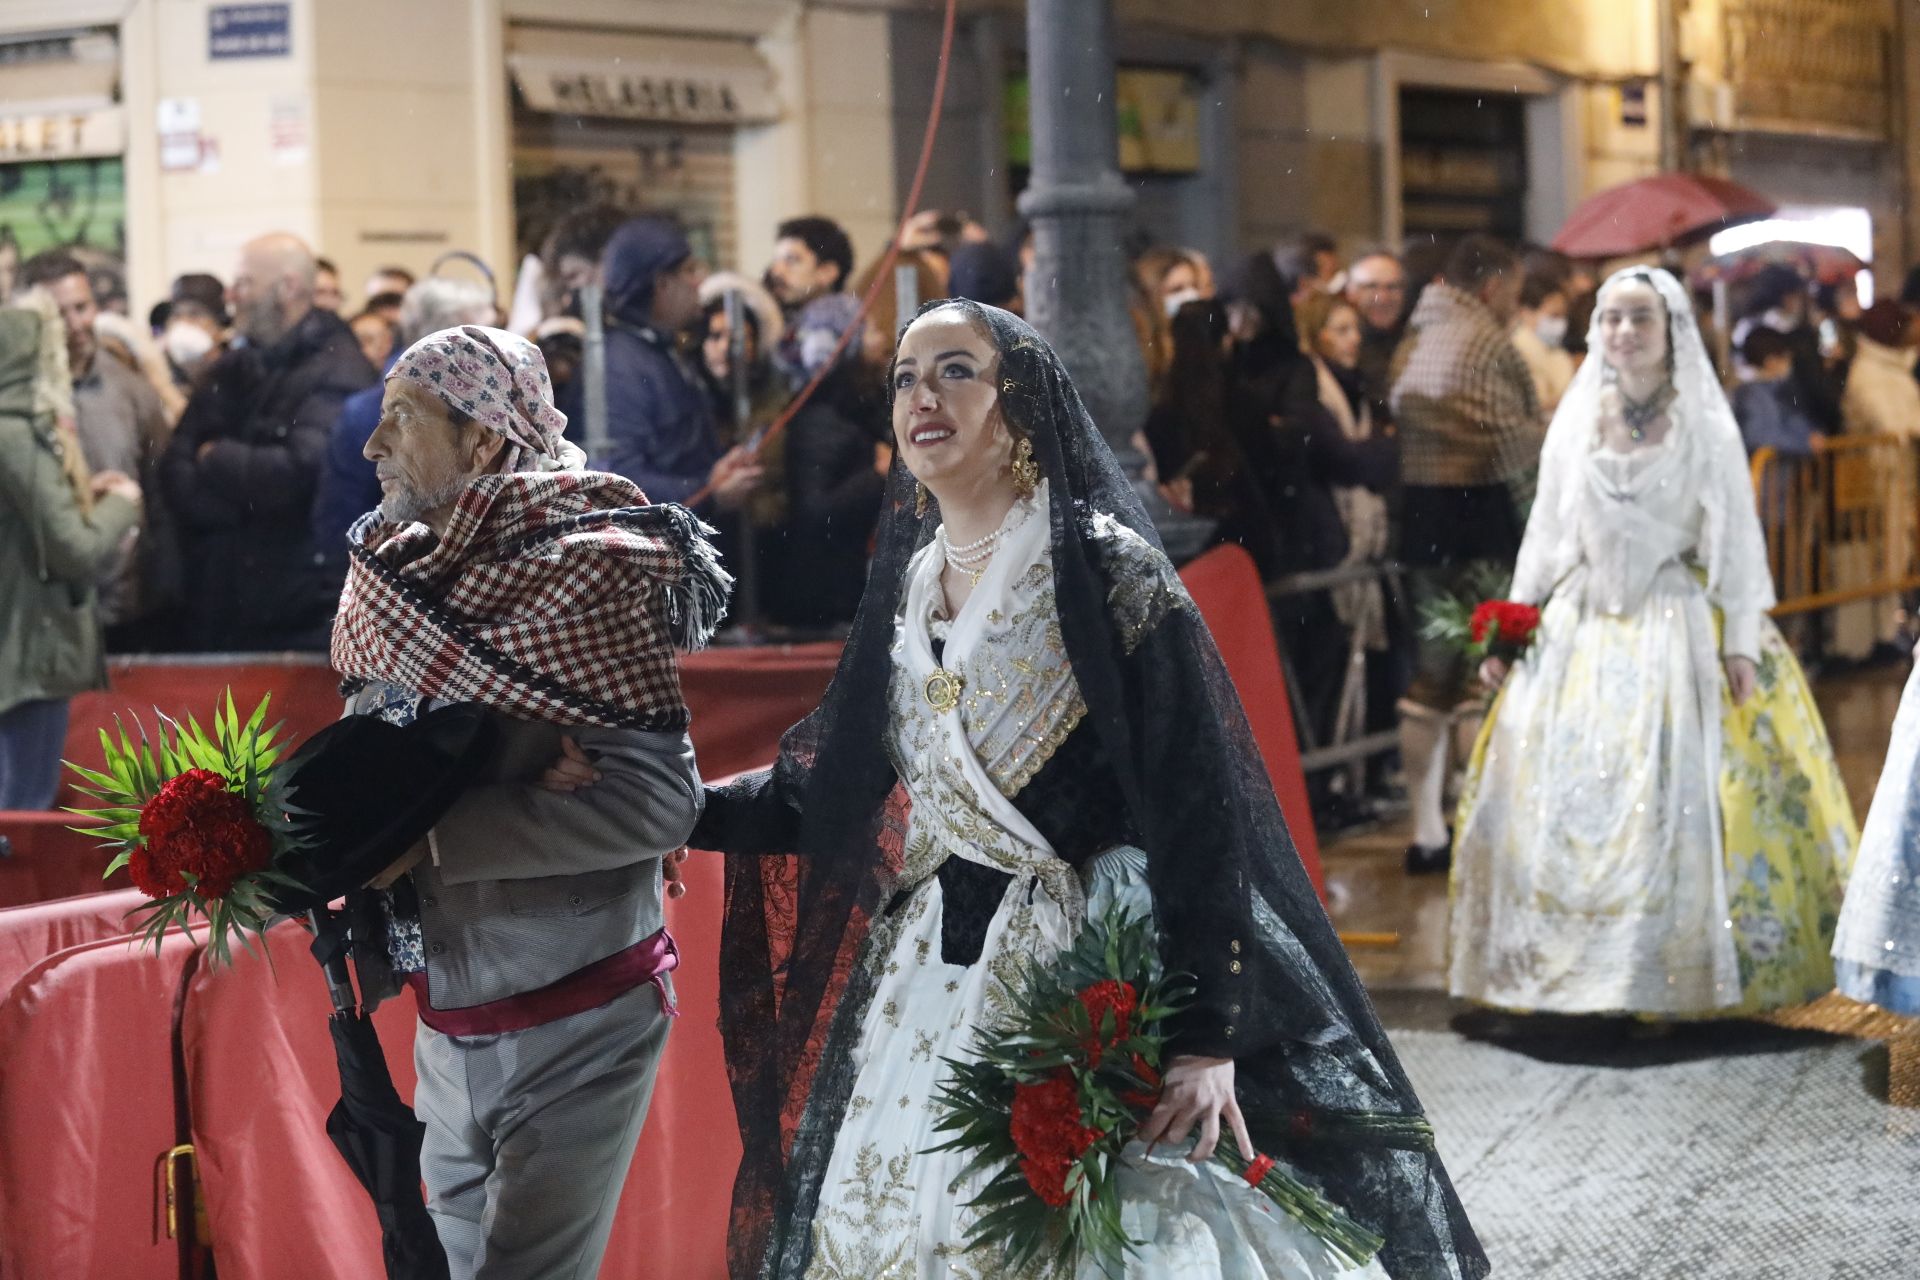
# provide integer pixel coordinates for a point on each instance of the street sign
(249, 31)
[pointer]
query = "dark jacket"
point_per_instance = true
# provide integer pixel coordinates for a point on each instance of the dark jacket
(1376, 368)
(349, 488)
(833, 505)
(245, 508)
(660, 424)
(660, 427)
(123, 427)
(1306, 455)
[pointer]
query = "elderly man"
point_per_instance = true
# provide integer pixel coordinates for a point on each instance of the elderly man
(349, 485)
(1470, 436)
(244, 462)
(528, 922)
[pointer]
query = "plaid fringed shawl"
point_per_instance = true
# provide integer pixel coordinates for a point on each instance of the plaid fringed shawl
(557, 596)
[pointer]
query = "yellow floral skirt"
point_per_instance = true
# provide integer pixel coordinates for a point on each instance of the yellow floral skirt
(1618, 851)
(1789, 835)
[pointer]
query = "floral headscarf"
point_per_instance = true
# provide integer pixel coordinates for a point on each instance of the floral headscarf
(498, 379)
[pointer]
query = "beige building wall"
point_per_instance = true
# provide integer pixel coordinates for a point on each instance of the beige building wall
(407, 154)
(196, 220)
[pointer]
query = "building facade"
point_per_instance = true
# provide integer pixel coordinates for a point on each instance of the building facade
(170, 131)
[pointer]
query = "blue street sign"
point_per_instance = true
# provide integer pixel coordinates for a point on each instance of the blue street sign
(250, 31)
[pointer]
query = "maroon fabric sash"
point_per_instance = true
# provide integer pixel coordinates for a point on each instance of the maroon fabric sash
(648, 960)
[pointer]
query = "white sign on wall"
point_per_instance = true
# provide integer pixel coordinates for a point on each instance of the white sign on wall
(181, 146)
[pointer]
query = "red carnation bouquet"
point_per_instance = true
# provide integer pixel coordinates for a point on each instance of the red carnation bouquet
(1480, 621)
(1501, 629)
(198, 820)
(1052, 1099)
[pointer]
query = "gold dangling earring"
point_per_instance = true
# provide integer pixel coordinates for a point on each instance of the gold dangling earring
(919, 499)
(1026, 472)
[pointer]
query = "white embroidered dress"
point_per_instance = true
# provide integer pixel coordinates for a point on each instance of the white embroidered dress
(1591, 864)
(887, 1208)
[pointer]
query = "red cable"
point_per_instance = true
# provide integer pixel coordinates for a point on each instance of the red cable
(882, 278)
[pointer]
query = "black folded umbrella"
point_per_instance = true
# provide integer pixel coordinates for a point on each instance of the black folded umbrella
(366, 790)
(380, 1139)
(374, 1131)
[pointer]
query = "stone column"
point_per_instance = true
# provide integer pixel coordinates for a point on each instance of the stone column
(1077, 202)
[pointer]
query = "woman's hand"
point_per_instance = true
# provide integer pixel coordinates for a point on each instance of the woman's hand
(1493, 673)
(1197, 1091)
(1742, 677)
(570, 770)
(117, 483)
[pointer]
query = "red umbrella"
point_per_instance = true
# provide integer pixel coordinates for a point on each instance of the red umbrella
(1657, 213)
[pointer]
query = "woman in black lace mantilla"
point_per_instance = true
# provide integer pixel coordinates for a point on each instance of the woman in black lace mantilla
(1030, 720)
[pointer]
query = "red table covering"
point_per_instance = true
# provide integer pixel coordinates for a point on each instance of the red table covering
(1226, 589)
(261, 1079)
(86, 1111)
(31, 933)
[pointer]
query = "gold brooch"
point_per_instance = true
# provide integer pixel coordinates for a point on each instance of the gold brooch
(943, 689)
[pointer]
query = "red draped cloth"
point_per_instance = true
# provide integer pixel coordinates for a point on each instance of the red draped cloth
(87, 1108)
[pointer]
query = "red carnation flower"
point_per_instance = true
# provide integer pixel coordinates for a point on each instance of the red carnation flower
(1048, 1178)
(1485, 615)
(196, 826)
(1118, 998)
(1046, 1130)
(1505, 627)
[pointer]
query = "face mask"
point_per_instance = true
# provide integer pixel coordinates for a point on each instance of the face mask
(1178, 299)
(1551, 330)
(186, 344)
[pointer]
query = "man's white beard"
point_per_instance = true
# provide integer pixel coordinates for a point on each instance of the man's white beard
(404, 506)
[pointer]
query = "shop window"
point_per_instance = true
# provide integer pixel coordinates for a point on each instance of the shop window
(1463, 164)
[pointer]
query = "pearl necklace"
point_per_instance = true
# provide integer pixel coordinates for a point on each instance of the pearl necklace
(972, 549)
(975, 565)
(974, 557)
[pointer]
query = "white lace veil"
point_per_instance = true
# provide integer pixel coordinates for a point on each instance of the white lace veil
(1703, 430)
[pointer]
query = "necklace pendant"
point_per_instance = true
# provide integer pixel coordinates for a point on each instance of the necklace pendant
(943, 689)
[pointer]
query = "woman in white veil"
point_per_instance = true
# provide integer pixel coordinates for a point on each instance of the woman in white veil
(1653, 821)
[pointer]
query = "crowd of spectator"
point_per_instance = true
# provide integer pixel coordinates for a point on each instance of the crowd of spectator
(1334, 412)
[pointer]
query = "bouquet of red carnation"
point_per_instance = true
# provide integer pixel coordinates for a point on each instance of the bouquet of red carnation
(1501, 629)
(1053, 1099)
(1480, 621)
(199, 820)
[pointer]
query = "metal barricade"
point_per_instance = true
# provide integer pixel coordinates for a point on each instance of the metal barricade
(1842, 524)
(1344, 747)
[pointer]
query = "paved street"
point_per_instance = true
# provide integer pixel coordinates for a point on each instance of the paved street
(1586, 1150)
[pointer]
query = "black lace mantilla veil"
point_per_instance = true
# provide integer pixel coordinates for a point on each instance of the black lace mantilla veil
(1235, 906)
